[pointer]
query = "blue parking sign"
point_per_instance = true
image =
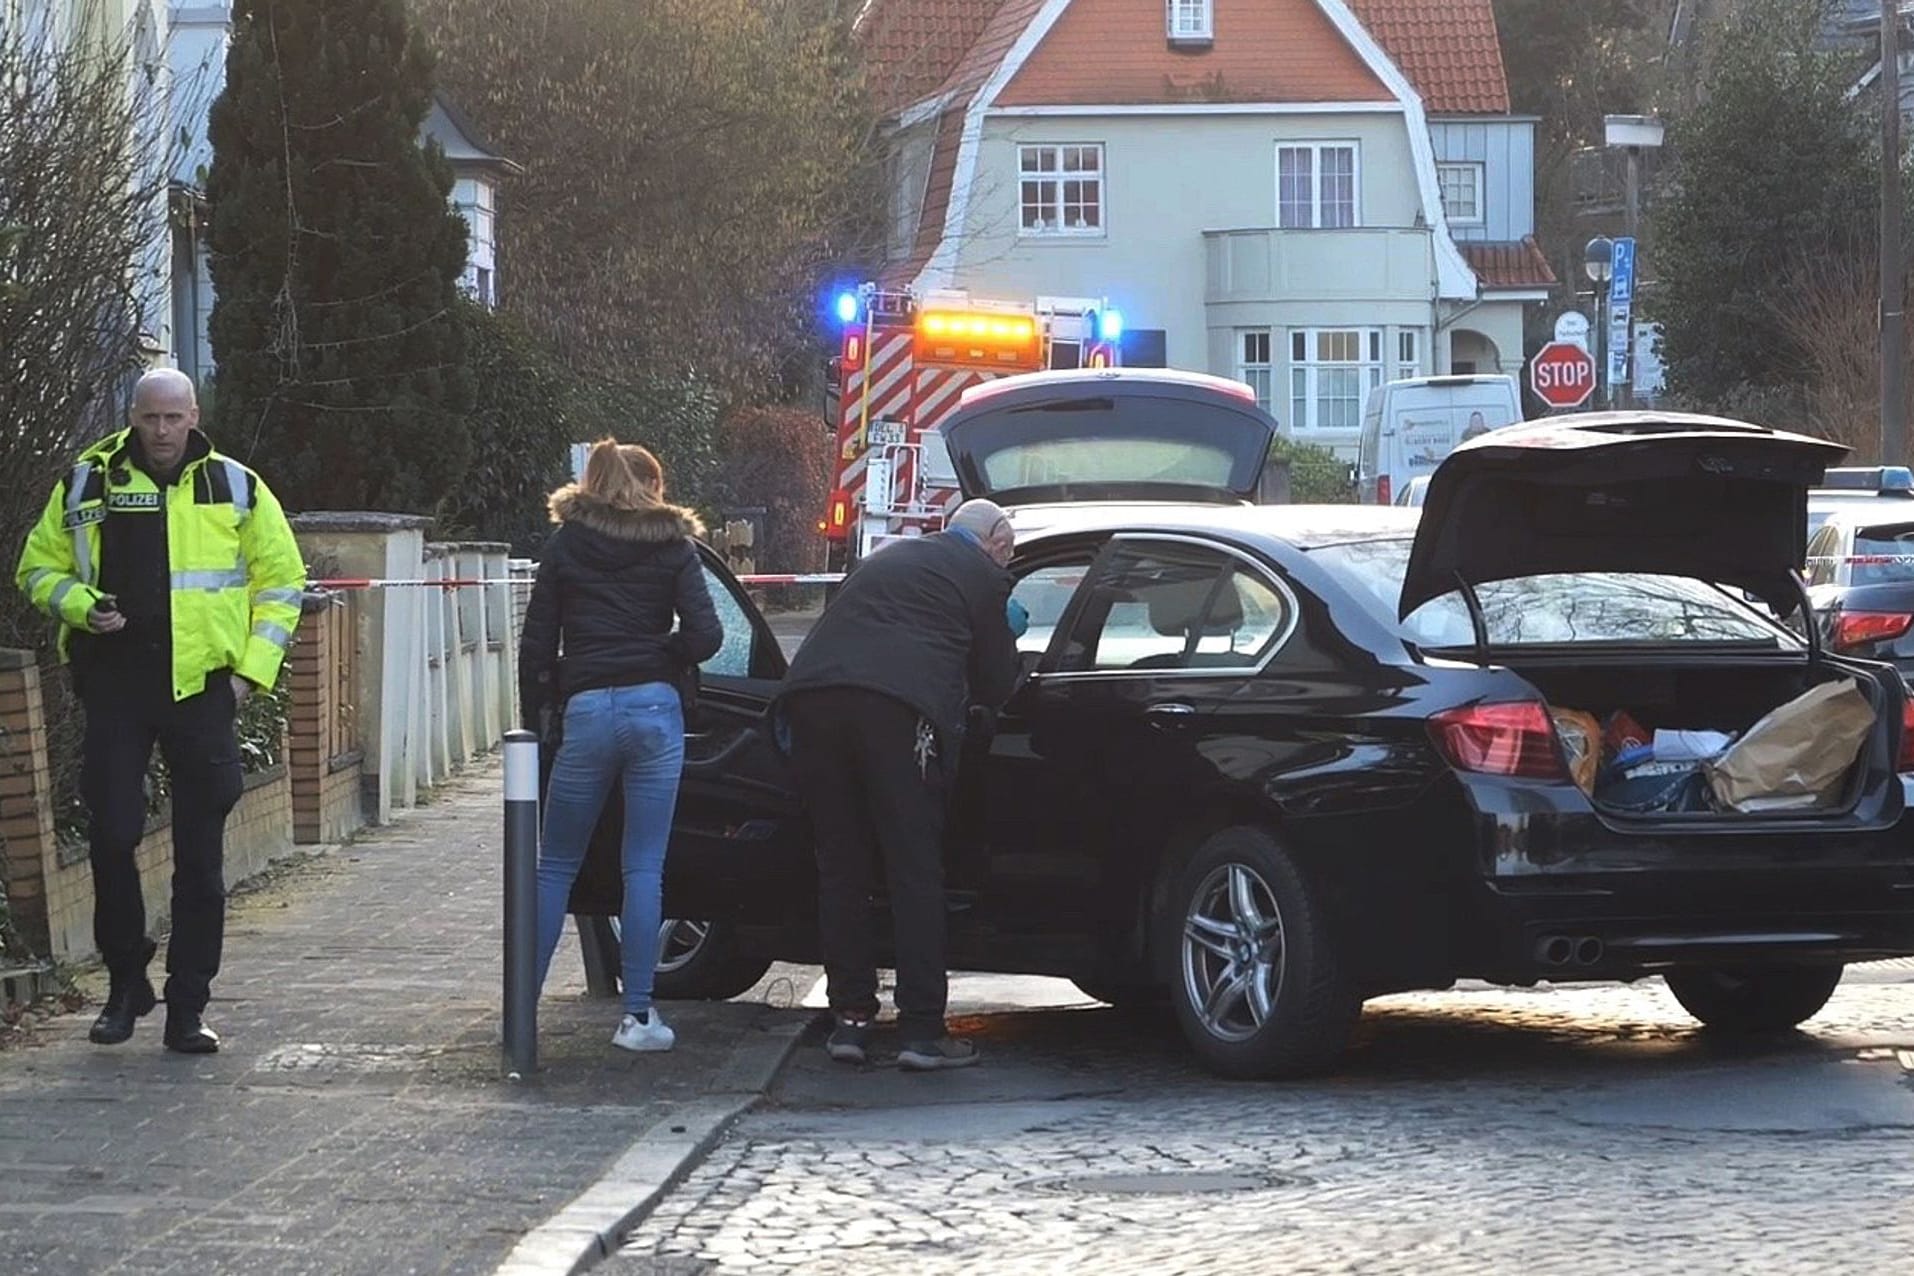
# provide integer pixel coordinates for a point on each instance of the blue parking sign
(1621, 288)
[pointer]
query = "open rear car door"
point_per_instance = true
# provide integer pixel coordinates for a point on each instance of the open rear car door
(739, 841)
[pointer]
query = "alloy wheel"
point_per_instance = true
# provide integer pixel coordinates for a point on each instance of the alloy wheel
(680, 942)
(1233, 956)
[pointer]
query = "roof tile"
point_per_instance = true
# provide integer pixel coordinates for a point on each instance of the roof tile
(1448, 48)
(1517, 264)
(912, 46)
(1104, 51)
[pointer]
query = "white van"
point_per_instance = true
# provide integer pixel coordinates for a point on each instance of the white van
(1409, 426)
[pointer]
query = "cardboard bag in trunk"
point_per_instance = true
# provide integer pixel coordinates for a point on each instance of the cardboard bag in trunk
(1797, 756)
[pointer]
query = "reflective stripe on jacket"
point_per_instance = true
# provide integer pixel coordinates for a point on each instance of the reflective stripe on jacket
(237, 575)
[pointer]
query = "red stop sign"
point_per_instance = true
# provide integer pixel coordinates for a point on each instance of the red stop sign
(1563, 375)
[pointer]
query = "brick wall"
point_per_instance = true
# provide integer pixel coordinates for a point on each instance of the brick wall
(26, 808)
(324, 755)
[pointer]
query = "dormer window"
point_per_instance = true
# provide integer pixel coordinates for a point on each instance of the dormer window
(1191, 21)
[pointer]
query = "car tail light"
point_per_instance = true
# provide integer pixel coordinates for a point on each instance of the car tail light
(1515, 739)
(1856, 629)
(1907, 733)
(1382, 489)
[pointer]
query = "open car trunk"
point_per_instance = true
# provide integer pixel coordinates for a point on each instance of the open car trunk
(1711, 733)
(1686, 712)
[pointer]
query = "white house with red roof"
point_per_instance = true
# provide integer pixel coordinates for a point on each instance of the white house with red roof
(1311, 195)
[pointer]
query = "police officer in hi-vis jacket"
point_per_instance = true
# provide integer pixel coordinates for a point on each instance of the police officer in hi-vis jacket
(177, 585)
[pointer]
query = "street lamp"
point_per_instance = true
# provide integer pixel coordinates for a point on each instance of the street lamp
(1893, 299)
(1598, 259)
(1630, 134)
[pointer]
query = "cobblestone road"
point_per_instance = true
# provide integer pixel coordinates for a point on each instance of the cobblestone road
(1478, 1131)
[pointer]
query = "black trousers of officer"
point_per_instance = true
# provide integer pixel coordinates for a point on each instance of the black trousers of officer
(127, 712)
(872, 786)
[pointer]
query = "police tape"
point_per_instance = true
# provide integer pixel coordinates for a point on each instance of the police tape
(375, 582)
(1864, 560)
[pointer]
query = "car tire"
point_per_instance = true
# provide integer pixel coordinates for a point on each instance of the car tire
(703, 961)
(1257, 985)
(1753, 1000)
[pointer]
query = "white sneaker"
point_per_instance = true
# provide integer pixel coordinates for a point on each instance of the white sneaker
(649, 1033)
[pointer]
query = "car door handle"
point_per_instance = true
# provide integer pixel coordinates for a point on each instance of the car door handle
(1170, 711)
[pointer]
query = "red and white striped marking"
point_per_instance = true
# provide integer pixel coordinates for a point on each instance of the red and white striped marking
(376, 582)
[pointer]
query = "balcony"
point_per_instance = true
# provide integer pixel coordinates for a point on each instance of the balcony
(1360, 264)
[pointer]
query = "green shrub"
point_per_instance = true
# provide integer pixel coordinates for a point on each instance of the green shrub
(1317, 476)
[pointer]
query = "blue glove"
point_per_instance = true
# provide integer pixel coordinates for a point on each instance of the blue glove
(1018, 616)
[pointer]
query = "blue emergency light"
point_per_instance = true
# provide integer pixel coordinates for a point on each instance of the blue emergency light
(847, 307)
(1110, 325)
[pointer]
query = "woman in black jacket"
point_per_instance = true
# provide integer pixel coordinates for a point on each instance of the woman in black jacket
(614, 576)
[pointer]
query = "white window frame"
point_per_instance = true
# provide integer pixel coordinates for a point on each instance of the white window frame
(1190, 21)
(1315, 151)
(1478, 182)
(1307, 376)
(1408, 353)
(1055, 178)
(1256, 364)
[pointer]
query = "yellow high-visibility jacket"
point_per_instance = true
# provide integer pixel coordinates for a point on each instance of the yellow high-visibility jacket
(237, 575)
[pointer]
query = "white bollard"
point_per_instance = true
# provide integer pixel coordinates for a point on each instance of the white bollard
(521, 906)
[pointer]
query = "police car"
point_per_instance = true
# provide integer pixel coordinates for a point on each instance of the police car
(1860, 562)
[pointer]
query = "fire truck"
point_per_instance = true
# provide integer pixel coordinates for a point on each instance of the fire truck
(903, 363)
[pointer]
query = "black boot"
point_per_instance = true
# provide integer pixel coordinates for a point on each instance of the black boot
(129, 997)
(187, 1034)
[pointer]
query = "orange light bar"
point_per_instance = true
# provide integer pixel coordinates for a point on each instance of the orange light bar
(978, 339)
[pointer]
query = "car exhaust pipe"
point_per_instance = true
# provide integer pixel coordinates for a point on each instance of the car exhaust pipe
(1588, 951)
(1555, 950)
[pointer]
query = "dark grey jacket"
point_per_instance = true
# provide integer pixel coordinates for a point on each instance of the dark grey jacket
(921, 620)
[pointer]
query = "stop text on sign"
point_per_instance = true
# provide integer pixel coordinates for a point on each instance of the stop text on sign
(1562, 374)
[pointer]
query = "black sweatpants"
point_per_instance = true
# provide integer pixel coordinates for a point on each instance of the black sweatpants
(874, 781)
(126, 715)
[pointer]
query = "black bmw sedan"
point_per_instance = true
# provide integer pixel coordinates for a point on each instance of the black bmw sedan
(1271, 761)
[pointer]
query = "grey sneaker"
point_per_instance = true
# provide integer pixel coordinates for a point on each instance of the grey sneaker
(850, 1040)
(934, 1056)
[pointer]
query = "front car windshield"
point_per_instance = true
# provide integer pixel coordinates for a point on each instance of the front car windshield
(1617, 608)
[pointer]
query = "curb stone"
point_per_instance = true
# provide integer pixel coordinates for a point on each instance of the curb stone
(593, 1225)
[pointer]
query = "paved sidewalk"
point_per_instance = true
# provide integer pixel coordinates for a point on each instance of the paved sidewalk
(354, 1121)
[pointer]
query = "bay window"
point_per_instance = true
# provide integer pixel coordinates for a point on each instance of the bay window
(1331, 371)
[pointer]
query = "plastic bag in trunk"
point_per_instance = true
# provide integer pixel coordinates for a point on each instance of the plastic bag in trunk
(1796, 757)
(1581, 737)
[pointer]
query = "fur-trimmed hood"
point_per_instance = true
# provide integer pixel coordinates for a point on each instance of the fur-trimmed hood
(655, 525)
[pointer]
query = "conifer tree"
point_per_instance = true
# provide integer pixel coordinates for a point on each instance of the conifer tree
(335, 259)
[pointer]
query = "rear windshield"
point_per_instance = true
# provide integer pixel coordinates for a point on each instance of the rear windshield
(1093, 439)
(1884, 555)
(1060, 462)
(1591, 607)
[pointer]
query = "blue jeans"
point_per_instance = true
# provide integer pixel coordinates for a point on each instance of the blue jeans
(635, 735)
